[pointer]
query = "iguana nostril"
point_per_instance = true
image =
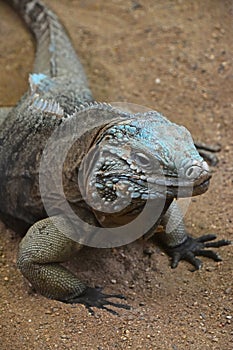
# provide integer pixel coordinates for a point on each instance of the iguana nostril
(192, 172)
(189, 172)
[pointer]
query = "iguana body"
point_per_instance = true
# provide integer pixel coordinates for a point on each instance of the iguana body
(129, 144)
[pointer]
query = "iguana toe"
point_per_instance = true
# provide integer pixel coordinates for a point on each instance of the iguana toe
(193, 247)
(94, 298)
(208, 152)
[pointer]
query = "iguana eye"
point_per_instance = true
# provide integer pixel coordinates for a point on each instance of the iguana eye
(142, 160)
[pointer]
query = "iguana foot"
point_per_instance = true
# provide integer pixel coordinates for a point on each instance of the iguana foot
(208, 152)
(93, 297)
(193, 247)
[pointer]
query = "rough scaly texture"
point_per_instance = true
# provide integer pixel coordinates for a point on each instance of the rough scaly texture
(135, 150)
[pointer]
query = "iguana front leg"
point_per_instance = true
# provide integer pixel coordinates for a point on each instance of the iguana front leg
(41, 253)
(180, 246)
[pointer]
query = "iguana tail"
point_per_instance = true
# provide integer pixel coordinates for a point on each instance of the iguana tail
(55, 55)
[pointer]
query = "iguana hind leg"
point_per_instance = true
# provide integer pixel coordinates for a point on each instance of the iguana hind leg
(4, 111)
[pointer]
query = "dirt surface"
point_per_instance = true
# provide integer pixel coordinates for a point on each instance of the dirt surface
(174, 56)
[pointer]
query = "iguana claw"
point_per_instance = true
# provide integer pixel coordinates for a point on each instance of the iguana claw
(208, 152)
(193, 247)
(93, 297)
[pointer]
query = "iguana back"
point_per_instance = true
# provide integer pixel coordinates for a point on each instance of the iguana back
(58, 86)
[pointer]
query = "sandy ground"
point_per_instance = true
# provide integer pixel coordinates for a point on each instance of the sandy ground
(174, 56)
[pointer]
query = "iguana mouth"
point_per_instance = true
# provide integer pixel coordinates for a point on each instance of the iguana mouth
(190, 190)
(182, 186)
(201, 188)
(140, 187)
(177, 182)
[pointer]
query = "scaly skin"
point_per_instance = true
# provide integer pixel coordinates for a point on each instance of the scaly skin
(141, 156)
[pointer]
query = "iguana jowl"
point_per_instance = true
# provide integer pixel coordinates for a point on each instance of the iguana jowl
(131, 147)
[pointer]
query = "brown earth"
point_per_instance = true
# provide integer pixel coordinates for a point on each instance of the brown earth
(174, 56)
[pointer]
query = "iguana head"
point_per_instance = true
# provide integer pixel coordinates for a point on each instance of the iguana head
(142, 157)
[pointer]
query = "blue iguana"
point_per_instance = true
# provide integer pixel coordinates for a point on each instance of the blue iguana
(132, 145)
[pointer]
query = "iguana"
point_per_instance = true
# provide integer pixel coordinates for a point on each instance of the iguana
(140, 156)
